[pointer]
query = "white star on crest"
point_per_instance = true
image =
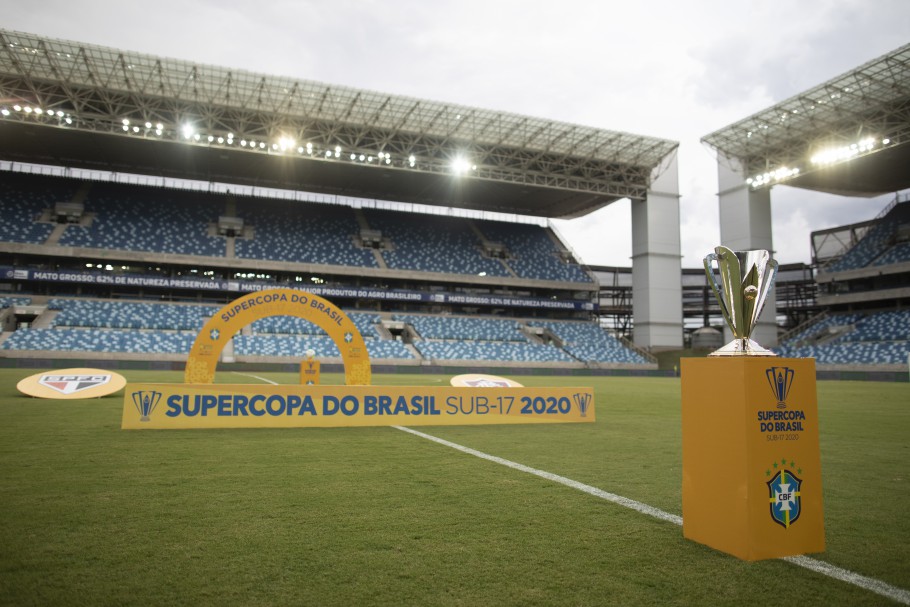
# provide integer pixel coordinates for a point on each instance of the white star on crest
(348, 337)
(214, 334)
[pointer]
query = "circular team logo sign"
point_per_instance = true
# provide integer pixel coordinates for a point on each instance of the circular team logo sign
(477, 380)
(67, 384)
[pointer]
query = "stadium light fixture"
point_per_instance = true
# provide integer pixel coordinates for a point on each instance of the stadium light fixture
(188, 131)
(5, 112)
(832, 155)
(775, 176)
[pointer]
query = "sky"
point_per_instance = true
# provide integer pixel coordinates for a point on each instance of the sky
(675, 69)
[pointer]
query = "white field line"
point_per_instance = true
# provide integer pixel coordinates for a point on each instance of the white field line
(873, 585)
(844, 575)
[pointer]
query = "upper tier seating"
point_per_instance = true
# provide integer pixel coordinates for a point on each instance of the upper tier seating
(898, 253)
(298, 232)
(136, 218)
(432, 243)
(877, 246)
(23, 198)
(534, 254)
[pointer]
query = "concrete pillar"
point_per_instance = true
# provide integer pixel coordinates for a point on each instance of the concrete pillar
(657, 263)
(745, 223)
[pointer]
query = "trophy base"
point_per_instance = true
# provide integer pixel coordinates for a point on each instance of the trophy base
(742, 347)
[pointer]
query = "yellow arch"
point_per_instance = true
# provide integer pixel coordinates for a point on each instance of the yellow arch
(203, 358)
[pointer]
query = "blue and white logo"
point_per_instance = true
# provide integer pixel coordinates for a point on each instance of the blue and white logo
(785, 498)
(145, 403)
(780, 379)
(583, 401)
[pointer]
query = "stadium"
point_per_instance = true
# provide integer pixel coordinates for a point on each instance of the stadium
(142, 194)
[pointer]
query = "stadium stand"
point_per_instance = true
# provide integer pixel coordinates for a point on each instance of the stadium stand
(148, 221)
(879, 246)
(160, 220)
(879, 338)
(23, 199)
(533, 254)
(589, 343)
(298, 232)
(431, 243)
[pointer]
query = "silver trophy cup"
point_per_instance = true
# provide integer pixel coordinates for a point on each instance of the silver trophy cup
(746, 278)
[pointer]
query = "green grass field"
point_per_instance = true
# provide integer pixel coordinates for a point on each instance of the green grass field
(95, 515)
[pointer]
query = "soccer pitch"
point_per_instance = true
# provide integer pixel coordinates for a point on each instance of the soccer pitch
(93, 514)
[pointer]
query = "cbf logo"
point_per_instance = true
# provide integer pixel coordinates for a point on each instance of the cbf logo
(780, 379)
(785, 494)
(70, 384)
(145, 402)
(583, 401)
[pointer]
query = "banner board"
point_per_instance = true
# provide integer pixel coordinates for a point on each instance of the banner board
(291, 406)
(200, 403)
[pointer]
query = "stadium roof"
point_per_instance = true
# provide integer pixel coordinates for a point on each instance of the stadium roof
(850, 135)
(76, 104)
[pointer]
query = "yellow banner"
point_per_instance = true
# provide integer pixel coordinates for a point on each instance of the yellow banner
(294, 406)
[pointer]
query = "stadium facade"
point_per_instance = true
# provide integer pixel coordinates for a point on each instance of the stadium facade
(166, 188)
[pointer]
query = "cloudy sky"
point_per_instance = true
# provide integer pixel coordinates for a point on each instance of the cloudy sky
(677, 69)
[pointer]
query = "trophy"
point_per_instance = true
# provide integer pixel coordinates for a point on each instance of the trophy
(746, 277)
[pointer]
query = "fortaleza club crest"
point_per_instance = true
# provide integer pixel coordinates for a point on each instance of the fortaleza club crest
(784, 492)
(780, 379)
(70, 384)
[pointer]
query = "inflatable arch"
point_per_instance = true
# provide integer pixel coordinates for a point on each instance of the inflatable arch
(206, 350)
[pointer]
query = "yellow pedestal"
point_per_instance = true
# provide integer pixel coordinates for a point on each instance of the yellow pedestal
(309, 373)
(751, 465)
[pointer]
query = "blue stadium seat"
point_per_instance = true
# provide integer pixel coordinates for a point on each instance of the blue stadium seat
(134, 218)
(432, 243)
(534, 254)
(301, 232)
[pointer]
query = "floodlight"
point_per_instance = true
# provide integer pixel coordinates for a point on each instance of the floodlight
(5, 112)
(353, 156)
(126, 122)
(188, 131)
(460, 165)
(148, 125)
(39, 111)
(17, 107)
